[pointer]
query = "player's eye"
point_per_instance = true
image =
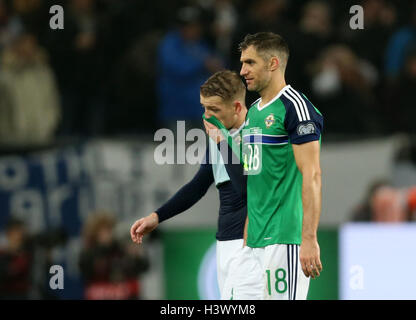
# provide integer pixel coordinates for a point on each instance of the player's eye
(212, 109)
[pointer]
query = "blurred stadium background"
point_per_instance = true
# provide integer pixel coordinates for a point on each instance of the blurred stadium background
(79, 108)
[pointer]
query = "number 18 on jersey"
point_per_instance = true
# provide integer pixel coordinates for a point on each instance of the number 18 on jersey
(252, 151)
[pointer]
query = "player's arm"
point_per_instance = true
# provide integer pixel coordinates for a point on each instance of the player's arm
(304, 125)
(184, 199)
(307, 160)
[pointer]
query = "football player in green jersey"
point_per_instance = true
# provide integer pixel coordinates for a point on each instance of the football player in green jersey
(282, 133)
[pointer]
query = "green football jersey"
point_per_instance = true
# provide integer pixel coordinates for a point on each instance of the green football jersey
(274, 182)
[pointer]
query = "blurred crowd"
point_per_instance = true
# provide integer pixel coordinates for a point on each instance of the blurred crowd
(392, 199)
(128, 67)
(25, 259)
(385, 202)
(110, 266)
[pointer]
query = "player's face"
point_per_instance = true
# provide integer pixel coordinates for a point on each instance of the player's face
(224, 112)
(254, 70)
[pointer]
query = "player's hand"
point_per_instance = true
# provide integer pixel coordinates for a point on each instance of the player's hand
(310, 258)
(143, 226)
(213, 132)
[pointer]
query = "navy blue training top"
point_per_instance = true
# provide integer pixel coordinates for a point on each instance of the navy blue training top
(233, 208)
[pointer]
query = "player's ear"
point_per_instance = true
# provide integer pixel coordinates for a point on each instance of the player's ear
(237, 106)
(274, 63)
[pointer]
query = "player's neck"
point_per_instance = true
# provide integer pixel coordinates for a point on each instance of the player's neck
(241, 119)
(274, 87)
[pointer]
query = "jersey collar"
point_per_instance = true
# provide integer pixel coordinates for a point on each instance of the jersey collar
(274, 99)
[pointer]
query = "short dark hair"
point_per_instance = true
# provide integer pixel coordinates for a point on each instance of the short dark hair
(267, 43)
(225, 84)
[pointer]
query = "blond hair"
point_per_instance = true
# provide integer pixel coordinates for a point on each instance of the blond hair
(225, 84)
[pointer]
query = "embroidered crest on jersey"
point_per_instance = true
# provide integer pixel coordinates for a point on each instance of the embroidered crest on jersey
(269, 120)
(306, 128)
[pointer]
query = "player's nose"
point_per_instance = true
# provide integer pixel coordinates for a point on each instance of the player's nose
(243, 71)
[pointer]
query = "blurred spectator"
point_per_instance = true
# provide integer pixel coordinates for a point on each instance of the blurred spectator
(10, 25)
(184, 62)
(16, 263)
(342, 85)
(110, 268)
(380, 18)
(316, 19)
(262, 15)
(79, 65)
(388, 205)
(224, 22)
(29, 101)
(398, 46)
(32, 13)
(411, 202)
(399, 98)
(385, 203)
(315, 34)
(134, 97)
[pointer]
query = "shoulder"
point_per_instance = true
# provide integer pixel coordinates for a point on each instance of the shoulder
(303, 121)
(298, 104)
